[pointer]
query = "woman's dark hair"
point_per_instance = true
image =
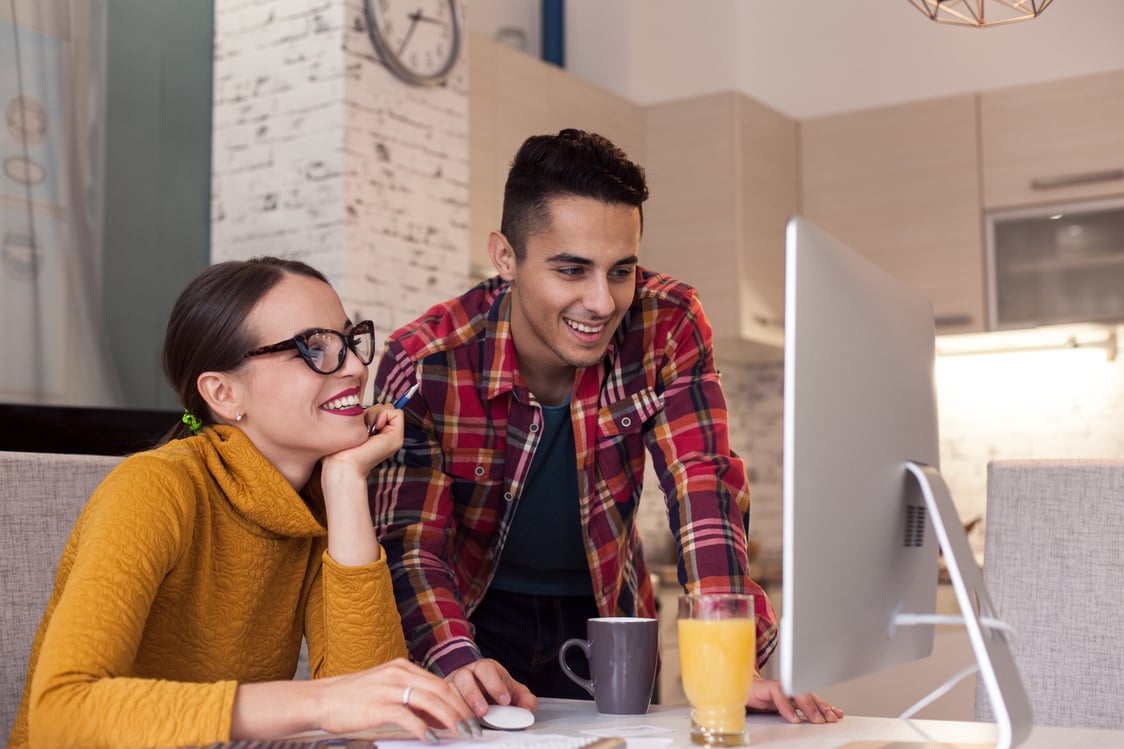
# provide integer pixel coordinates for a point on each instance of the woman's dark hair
(207, 329)
(573, 163)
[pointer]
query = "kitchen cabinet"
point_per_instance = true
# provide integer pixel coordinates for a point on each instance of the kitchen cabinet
(513, 96)
(900, 185)
(1057, 264)
(1059, 141)
(722, 171)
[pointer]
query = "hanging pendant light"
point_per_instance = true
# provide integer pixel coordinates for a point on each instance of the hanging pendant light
(980, 12)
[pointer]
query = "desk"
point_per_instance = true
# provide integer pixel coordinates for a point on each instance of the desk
(669, 728)
(572, 716)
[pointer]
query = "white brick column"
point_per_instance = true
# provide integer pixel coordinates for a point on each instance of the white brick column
(321, 154)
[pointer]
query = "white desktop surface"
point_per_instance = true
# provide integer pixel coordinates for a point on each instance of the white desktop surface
(573, 717)
(669, 728)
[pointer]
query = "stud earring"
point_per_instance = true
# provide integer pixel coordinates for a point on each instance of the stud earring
(238, 416)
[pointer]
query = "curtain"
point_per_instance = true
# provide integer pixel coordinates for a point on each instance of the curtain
(52, 93)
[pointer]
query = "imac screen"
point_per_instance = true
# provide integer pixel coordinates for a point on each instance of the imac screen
(859, 402)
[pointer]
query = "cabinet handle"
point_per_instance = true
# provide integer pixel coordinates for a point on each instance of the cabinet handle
(769, 322)
(1068, 180)
(953, 320)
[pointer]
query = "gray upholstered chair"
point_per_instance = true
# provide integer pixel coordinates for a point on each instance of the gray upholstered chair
(1054, 566)
(43, 494)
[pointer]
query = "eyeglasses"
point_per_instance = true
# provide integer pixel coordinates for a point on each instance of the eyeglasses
(324, 350)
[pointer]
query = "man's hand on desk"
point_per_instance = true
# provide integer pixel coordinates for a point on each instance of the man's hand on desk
(484, 681)
(766, 695)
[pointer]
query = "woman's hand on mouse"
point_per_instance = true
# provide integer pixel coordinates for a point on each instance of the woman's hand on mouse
(395, 692)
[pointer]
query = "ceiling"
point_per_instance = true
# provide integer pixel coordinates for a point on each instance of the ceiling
(808, 58)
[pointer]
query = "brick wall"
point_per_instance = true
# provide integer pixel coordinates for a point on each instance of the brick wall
(320, 153)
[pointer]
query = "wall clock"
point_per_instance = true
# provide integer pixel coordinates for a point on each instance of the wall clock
(418, 40)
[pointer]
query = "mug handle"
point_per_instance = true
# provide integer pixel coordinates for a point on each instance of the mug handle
(587, 685)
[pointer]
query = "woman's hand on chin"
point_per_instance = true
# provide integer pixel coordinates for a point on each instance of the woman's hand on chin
(385, 431)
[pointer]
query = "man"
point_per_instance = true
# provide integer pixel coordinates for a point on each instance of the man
(508, 517)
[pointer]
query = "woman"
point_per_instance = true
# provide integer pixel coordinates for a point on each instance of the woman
(195, 568)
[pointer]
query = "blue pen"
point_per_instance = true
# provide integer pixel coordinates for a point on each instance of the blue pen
(407, 395)
(399, 403)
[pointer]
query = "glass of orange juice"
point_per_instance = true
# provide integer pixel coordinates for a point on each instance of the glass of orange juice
(717, 652)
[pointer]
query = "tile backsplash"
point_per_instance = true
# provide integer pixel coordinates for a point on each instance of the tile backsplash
(1049, 404)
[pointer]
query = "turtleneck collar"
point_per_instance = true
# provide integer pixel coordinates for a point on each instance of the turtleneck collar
(255, 488)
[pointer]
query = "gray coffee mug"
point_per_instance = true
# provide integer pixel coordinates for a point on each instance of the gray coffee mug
(623, 653)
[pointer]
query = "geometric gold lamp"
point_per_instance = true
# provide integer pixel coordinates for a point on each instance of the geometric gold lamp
(980, 12)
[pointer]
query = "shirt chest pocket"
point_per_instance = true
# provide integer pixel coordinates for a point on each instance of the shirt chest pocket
(620, 429)
(474, 472)
(475, 465)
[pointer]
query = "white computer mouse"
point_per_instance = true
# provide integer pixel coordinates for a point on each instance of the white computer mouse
(507, 718)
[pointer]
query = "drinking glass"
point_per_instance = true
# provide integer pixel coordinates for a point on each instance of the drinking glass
(717, 652)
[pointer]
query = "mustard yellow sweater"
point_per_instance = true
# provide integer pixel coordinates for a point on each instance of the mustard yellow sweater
(192, 568)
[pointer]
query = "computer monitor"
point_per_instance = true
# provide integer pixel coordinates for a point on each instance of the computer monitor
(865, 508)
(859, 402)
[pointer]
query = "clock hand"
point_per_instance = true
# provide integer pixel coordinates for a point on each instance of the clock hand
(414, 18)
(419, 15)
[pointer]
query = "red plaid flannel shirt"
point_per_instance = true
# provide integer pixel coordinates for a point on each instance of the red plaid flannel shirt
(443, 506)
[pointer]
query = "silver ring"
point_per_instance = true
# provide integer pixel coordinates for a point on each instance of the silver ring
(406, 696)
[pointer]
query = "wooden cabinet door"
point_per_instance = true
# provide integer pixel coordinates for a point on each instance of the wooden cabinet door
(1053, 142)
(900, 185)
(577, 103)
(769, 195)
(722, 170)
(691, 227)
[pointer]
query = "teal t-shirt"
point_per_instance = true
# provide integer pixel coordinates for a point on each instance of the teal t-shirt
(544, 552)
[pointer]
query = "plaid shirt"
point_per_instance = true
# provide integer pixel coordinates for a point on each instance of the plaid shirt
(444, 505)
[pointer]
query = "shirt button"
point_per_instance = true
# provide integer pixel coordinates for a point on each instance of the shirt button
(534, 427)
(507, 497)
(479, 471)
(626, 422)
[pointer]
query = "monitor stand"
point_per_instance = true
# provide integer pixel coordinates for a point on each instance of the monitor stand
(1005, 691)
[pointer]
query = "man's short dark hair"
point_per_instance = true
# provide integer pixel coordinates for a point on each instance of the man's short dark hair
(573, 163)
